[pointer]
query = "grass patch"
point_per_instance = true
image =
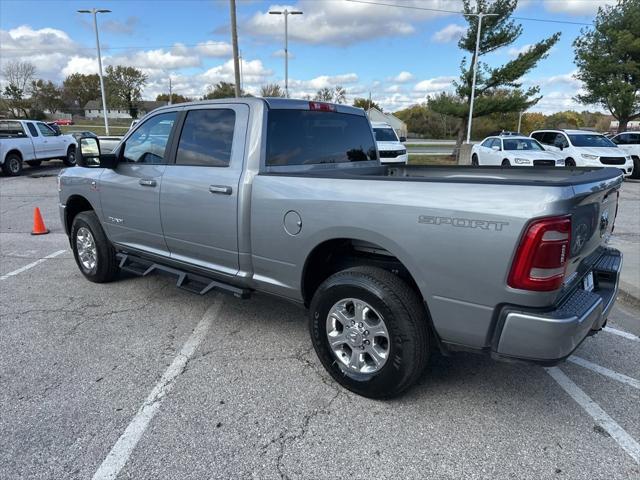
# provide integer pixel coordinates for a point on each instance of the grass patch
(432, 160)
(426, 145)
(116, 130)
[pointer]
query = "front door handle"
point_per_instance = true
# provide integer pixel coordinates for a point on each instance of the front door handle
(145, 182)
(222, 189)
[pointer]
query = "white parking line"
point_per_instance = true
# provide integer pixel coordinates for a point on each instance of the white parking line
(605, 371)
(621, 333)
(31, 265)
(121, 451)
(626, 441)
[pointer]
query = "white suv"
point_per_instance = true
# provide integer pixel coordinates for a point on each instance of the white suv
(582, 148)
(389, 146)
(630, 142)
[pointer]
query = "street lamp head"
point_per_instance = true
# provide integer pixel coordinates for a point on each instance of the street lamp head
(103, 10)
(296, 12)
(95, 10)
(275, 12)
(85, 11)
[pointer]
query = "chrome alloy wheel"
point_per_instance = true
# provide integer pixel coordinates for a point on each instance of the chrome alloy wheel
(86, 246)
(358, 336)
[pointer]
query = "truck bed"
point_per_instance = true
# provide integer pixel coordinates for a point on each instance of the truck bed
(538, 176)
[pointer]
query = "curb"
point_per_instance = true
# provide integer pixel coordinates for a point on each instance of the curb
(625, 296)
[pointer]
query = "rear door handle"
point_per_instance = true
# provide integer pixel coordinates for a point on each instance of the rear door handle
(145, 182)
(222, 189)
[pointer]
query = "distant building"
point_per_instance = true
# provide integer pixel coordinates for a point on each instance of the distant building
(631, 126)
(93, 109)
(398, 125)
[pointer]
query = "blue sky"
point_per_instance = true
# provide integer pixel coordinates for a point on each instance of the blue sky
(399, 55)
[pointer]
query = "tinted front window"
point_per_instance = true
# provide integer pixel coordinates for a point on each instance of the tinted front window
(487, 143)
(521, 144)
(9, 129)
(591, 140)
(304, 137)
(206, 138)
(148, 143)
(385, 135)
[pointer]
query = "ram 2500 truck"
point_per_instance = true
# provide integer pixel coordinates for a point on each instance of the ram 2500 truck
(288, 197)
(32, 142)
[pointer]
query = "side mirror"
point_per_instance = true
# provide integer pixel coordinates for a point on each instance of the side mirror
(403, 139)
(496, 148)
(88, 154)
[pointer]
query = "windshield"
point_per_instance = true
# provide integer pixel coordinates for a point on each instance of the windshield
(385, 135)
(591, 140)
(521, 144)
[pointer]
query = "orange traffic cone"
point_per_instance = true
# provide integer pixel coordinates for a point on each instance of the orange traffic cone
(38, 223)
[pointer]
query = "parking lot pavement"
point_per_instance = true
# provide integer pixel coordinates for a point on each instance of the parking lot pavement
(140, 379)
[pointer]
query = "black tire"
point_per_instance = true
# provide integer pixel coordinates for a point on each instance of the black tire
(12, 166)
(404, 318)
(569, 162)
(474, 160)
(70, 159)
(106, 266)
(506, 163)
(34, 163)
(636, 167)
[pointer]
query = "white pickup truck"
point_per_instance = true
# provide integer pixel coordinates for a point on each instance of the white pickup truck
(32, 142)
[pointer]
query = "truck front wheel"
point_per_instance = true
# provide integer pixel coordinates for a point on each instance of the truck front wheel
(12, 166)
(369, 330)
(93, 252)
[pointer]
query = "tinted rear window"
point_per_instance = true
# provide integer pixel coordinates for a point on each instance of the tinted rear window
(206, 138)
(9, 129)
(304, 137)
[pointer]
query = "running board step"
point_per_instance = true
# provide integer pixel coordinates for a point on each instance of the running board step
(188, 281)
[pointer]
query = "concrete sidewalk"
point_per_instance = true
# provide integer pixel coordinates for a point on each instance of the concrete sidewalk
(626, 237)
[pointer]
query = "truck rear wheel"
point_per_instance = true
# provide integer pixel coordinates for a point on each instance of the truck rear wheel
(93, 252)
(70, 159)
(369, 330)
(12, 166)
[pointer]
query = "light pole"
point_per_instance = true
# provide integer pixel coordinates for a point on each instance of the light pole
(475, 66)
(286, 13)
(95, 11)
(520, 120)
(234, 43)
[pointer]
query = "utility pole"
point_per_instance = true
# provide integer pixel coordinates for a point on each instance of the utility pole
(475, 67)
(94, 12)
(170, 91)
(520, 120)
(234, 42)
(286, 14)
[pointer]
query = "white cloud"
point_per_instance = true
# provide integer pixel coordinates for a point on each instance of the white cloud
(344, 23)
(280, 54)
(393, 89)
(515, 51)
(451, 33)
(214, 49)
(158, 59)
(253, 71)
(82, 65)
(564, 79)
(402, 77)
(434, 85)
(576, 7)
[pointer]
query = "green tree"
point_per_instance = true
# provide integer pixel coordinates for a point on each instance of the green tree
(271, 90)
(124, 87)
(78, 89)
(497, 89)
(175, 98)
(46, 95)
(365, 103)
(221, 90)
(608, 60)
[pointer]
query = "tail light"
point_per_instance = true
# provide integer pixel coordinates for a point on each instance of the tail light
(541, 260)
(322, 107)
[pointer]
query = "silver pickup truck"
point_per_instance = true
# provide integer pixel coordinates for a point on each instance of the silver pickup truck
(288, 197)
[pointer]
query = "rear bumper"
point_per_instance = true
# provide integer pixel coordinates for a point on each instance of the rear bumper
(551, 336)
